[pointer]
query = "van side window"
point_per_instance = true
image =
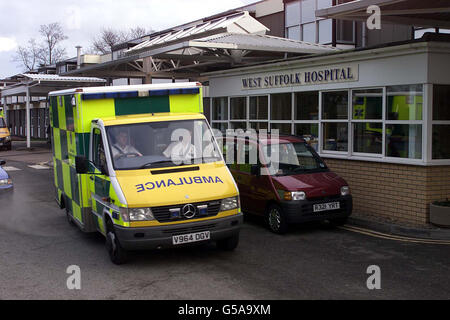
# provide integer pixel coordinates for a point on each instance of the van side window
(98, 151)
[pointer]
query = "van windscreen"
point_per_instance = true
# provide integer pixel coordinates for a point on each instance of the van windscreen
(162, 144)
(2, 123)
(293, 158)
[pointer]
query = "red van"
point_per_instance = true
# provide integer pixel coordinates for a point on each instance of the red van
(299, 188)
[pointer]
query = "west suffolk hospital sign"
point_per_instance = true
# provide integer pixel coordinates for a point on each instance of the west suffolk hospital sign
(305, 77)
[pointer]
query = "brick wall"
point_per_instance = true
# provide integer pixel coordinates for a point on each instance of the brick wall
(395, 192)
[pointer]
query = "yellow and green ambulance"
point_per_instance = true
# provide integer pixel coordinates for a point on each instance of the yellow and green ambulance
(5, 135)
(140, 165)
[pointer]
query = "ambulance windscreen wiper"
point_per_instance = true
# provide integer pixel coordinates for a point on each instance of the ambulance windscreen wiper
(151, 164)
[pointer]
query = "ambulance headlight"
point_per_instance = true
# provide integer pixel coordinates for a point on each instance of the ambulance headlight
(142, 214)
(8, 139)
(229, 204)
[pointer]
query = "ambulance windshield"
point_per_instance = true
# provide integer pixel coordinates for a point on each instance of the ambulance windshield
(2, 123)
(162, 144)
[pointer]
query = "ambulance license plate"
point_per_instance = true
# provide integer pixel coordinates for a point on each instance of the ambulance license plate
(190, 238)
(327, 206)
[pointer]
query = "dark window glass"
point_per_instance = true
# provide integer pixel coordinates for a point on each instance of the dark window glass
(367, 104)
(441, 143)
(259, 125)
(441, 102)
(220, 108)
(281, 105)
(344, 31)
(307, 105)
(238, 108)
(404, 141)
(309, 132)
(335, 105)
(207, 108)
(368, 137)
(335, 136)
(238, 125)
(259, 108)
(283, 128)
(404, 102)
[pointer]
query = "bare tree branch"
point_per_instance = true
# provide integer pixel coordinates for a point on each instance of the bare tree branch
(110, 37)
(53, 35)
(29, 56)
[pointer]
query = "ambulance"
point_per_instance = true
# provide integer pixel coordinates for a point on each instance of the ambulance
(5, 135)
(140, 165)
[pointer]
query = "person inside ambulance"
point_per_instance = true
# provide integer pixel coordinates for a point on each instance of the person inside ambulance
(123, 148)
(183, 149)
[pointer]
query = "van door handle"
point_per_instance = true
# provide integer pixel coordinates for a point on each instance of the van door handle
(92, 178)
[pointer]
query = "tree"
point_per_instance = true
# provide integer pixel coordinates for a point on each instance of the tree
(28, 56)
(53, 35)
(107, 39)
(45, 52)
(110, 37)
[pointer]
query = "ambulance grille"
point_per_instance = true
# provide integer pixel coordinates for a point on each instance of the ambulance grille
(162, 214)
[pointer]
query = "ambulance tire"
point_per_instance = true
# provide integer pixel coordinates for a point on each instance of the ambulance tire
(69, 217)
(117, 254)
(276, 219)
(228, 244)
(9, 148)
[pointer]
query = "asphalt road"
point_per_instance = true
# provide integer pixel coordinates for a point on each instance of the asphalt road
(312, 262)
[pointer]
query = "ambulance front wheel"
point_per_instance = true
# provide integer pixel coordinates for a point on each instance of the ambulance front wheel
(117, 254)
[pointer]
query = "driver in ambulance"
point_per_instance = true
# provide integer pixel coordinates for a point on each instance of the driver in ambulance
(122, 147)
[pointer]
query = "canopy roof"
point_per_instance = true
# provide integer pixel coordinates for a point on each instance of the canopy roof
(190, 50)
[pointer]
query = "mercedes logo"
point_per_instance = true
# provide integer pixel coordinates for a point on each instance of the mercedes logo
(188, 211)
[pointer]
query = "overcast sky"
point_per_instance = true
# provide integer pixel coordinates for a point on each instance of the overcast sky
(83, 19)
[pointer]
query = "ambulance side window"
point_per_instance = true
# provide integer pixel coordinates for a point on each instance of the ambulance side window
(98, 152)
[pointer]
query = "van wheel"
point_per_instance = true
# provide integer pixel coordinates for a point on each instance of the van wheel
(9, 148)
(276, 220)
(117, 254)
(228, 244)
(69, 217)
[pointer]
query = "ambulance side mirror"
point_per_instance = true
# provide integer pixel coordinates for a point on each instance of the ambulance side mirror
(81, 165)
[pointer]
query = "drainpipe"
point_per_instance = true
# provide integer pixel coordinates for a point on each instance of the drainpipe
(78, 56)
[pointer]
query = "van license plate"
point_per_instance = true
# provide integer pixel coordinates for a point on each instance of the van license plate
(193, 237)
(327, 206)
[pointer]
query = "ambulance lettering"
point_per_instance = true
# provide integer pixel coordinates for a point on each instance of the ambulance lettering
(174, 183)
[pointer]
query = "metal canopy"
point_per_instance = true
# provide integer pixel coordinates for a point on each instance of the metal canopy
(419, 13)
(190, 50)
(40, 85)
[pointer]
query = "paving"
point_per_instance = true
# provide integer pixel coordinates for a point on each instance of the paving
(314, 261)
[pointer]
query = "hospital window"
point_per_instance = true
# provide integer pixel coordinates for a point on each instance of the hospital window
(302, 24)
(220, 109)
(281, 106)
(404, 114)
(306, 109)
(335, 125)
(238, 108)
(367, 116)
(441, 122)
(259, 108)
